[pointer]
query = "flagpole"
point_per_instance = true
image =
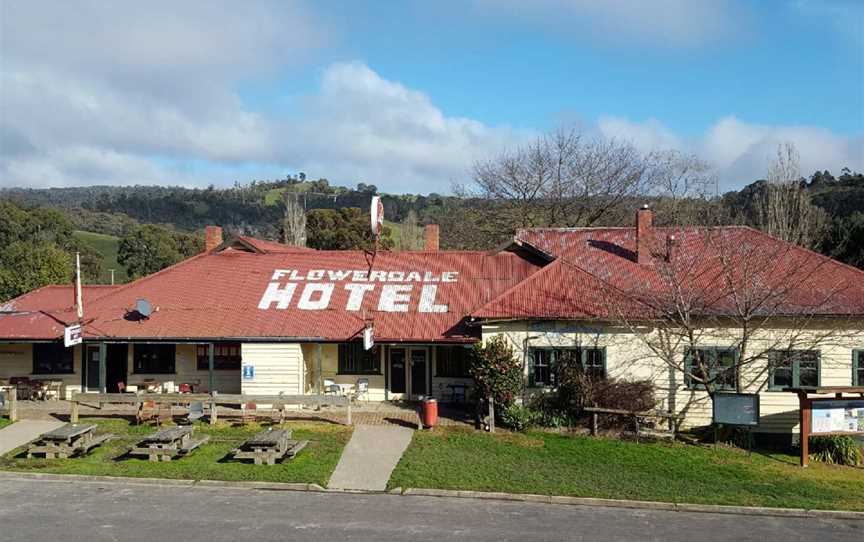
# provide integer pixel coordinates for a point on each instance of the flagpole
(79, 302)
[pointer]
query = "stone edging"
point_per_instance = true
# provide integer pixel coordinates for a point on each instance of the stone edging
(412, 492)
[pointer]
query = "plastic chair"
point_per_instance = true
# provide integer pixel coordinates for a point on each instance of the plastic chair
(185, 388)
(362, 388)
(330, 386)
(249, 412)
(196, 411)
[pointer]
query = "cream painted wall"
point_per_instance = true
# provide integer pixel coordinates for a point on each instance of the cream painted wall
(627, 356)
(186, 372)
(17, 360)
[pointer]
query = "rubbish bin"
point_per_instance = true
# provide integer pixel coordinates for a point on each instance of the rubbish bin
(430, 412)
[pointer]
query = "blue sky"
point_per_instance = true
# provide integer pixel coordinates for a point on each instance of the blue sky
(407, 95)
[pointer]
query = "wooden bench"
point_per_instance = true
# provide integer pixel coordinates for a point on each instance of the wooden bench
(639, 430)
(69, 440)
(167, 444)
(267, 447)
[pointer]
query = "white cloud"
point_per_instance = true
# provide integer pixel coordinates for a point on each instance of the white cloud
(740, 151)
(664, 22)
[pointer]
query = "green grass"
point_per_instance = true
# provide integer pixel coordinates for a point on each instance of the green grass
(4, 422)
(107, 246)
(554, 464)
(313, 464)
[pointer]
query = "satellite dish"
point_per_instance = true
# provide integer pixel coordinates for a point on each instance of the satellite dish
(376, 213)
(142, 306)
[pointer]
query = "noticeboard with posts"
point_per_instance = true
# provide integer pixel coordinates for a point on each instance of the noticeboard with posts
(736, 409)
(821, 416)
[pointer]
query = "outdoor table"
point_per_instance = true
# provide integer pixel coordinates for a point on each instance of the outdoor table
(268, 446)
(166, 444)
(345, 389)
(66, 441)
(458, 390)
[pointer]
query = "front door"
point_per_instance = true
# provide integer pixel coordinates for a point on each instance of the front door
(91, 369)
(397, 370)
(115, 366)
(419, 373)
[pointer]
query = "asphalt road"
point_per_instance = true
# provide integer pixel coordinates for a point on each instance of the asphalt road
(38, 510)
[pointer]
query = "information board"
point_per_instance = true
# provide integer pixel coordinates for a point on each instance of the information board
(248, 372)
(837, 416)
(736, 408)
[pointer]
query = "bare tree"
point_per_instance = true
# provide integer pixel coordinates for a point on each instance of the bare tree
(294, 219)
(686, 189)
(784, 209)
(410, 234)
(561, 179)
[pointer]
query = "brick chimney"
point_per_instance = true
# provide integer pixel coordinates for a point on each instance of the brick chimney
(432, 234)
(644, 234)
(212, 237)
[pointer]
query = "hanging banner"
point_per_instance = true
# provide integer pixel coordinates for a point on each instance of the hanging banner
(376, 213)
(368, 338)
(73, 335)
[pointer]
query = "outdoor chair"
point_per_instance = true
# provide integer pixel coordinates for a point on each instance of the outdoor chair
(146, 412)
(330, 386)
(2, 400)
(166, 414)
(185, 388)
(121, 387)
(248, 413)
(362, 389)
(196, 411)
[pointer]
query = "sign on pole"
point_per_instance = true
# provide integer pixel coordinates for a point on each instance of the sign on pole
(376, 213)
(72, 335)
(368, 338)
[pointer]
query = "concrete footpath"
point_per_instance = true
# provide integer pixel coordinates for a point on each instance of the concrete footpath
(24, 431)
(370, 457)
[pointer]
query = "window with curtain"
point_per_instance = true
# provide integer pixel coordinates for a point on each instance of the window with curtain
(154, 358)
(52, 359)
(226, 356)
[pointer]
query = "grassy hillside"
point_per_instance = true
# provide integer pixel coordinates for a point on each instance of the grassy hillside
(107, 246)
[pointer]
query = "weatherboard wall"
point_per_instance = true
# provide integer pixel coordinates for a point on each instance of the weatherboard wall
(277, 368)
(17, 360)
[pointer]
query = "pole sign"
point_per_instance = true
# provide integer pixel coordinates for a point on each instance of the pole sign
(72, 335)
(368, 338)
(376, 214)
(248, 372)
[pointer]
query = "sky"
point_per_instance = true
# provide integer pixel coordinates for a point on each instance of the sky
(407, 95)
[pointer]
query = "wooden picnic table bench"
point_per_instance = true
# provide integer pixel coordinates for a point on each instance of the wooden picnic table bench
(269, 446)
(639, 429)
(66, 441)
(166, 444)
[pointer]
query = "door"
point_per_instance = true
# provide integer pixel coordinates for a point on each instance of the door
(397, 370)
(115, 366)
(91, 369)
(419, 373)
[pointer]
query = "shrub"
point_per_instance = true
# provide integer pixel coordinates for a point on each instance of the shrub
(496, 372)
(577, 390)
(837, 449)
(519, 417)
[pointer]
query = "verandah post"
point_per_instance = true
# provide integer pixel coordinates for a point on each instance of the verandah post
(73, 416)
(13, 405)
(491, 414)
(103, 354)
(210, 358)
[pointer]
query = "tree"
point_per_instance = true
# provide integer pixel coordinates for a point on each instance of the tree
(561, 179)
(410, 233)
(343, 229)
(845, 240)
(685, 188)
(148, 249)
(26, 266)
(294, 220)
(496, 371)
(784, 209)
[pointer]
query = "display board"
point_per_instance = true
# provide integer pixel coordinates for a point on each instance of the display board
(837, 416)
(736, 409)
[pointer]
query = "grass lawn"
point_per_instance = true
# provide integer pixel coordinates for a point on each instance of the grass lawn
(553, 464)
(313, 464)
(107, 245)
(4, 422)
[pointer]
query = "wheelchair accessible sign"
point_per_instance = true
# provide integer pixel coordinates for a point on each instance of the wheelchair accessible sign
(248, 372)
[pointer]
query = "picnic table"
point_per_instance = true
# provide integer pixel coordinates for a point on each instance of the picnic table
(166, 444)
(268, 446)
(67, 441)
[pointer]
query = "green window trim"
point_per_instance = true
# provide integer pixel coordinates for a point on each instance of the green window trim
(549, 358)
(858, 367)
(713, 352)
(796, 370)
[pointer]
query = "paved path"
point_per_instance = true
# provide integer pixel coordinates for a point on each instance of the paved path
(22, 432)
(370, 457)
(37, 510)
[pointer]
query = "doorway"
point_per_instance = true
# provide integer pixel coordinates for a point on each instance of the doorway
(115, 366)
(397, 370)
(91, 369)
(419, 373)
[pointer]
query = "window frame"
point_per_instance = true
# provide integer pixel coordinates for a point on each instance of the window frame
(465, 362)
(554, 352)
(357, 347)
(691, 384)
(139, 349)
(220, 363)
(857, 366)
(61, 352)
(796, 369)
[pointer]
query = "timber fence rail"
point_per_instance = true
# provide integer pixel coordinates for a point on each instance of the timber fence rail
(671, 418)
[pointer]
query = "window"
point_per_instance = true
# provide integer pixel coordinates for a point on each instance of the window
(793, 368)
(226, 356)
(154, 358)
(543, 370)
(52, 359)
(452, 362)
(858, 367)
(716, 365)
(355, 360)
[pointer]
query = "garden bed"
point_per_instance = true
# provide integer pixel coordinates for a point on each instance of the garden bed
(558, 464)
(209, 462)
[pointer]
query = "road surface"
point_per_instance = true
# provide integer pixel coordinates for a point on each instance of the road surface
(38, 510)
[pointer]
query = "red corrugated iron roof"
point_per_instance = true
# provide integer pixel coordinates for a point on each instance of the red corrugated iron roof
(54, 297)
(43, 313)
(716, 266)
(220, 294)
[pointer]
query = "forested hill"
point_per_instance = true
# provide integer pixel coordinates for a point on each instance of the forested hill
(255, 209)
